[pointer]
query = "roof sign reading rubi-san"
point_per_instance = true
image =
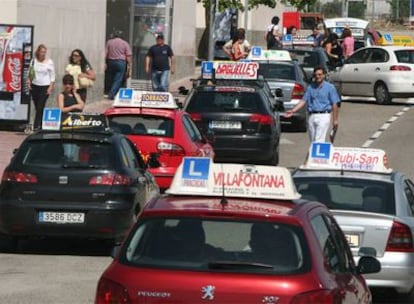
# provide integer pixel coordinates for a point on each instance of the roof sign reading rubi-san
(201, 176)
(327, 157)
(240, 70)
(128, 97)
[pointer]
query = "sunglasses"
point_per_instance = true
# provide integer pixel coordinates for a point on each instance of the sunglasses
(75, 55)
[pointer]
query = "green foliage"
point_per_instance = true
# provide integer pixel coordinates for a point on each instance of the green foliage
(301, 5)
(356, 10)
(332, 9)
(399, 9)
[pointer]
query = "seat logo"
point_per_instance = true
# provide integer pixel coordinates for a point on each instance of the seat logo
(63, 180)
(208, 292)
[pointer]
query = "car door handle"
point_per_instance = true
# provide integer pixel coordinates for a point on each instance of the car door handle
(356, 69)
(377, 69)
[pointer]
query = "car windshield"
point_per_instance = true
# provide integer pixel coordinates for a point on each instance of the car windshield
(349, 194)
(66, 154)
(150, 125)
(405, 56)
(274, 70)
(208, 102)
(217, 245)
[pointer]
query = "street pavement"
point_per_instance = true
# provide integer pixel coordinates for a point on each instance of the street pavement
(11, 140)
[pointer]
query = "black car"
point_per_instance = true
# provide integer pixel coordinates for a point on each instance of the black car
(74, 183)
(244, 116)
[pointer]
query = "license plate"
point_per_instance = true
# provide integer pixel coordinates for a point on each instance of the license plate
(61, 217)
(232, 125)
(353, 240)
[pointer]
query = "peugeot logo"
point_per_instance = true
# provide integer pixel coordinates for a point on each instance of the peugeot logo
(208, 292)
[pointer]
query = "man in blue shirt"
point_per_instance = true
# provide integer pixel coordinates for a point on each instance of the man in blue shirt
(160, 61)
(321, 100)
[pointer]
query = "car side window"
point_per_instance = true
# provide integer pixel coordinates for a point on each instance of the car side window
(191, 129)
(377, 56)
(358, 57)
(130, 158)
(329, 244)
(409, 193)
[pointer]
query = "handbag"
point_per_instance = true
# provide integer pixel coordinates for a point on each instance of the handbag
(85, 82)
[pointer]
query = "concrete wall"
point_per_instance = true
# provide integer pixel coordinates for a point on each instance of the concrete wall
(63, 25)
(8, 11)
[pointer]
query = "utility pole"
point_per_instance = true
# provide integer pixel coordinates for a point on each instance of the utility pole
(211, 31)
(344, 8)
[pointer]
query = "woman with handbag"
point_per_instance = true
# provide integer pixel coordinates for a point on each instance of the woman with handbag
(41, 82)
(82, 72)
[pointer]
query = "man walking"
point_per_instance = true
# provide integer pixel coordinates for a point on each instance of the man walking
(321, 99)
(118, 62)
(160, 61)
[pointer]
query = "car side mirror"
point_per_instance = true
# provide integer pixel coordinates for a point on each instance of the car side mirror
(153, 161)
(210, 136)
(368, 264)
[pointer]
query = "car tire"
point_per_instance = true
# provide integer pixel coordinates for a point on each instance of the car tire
(381, 94)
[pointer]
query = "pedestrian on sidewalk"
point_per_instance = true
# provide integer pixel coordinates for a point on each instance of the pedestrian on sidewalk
(118, 63)
(158, 63)
(79, 67)
(321, 100)
(42, 83)
(69, 100)
(242, 43)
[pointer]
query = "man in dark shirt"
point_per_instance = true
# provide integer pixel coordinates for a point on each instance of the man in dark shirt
(160, 61)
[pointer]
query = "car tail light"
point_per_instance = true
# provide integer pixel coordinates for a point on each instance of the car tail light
(399, 68)
(195, 116)
(170, 149)
(314, 297)
(262, 119)
(400, 238)
(110, 179)
(109, 292)
(298, 91)
(19, 177)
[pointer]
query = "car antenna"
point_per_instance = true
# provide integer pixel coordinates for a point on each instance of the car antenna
(342, 169)
(223, 201)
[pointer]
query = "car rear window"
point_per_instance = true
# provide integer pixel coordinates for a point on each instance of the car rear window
(67, 154)
(405, 56)
(282, 71)
(307, 59)
(349, 194)
(237, 102)
(142, 125)
(217, 245)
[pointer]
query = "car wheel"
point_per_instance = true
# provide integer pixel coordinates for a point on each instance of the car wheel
(382, 96)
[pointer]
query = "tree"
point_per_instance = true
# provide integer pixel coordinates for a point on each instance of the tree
(400, 9)
(332, 9)
(356, 9)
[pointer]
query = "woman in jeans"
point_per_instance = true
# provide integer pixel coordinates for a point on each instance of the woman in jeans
(41, 86)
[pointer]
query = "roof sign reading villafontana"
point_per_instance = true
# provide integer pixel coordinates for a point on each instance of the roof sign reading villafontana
(200, 176)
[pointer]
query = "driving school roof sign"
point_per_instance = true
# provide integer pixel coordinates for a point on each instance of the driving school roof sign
(128, 97)
(200, 176)
(241, 70)
(324, 156)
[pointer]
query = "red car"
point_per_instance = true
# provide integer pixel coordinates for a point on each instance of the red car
(154, 123)
(233, 233)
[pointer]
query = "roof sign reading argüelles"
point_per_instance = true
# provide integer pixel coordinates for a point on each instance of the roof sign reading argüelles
(240, 70)
(201, 176)
(128, 97)
(324, 156)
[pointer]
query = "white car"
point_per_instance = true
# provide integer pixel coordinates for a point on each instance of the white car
(383, 72)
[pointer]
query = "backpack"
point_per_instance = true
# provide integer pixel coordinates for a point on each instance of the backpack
(271, 39)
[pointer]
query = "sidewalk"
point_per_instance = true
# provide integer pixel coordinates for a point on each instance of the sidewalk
(11, 140)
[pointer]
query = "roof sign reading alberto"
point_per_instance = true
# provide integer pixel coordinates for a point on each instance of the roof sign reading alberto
(257, 53)
(324, 156)
(240, 70)
(200, 176)
(54, 120)
(128, 97)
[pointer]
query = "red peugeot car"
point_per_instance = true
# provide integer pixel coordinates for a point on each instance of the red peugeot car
(153, 121)
(233, 233)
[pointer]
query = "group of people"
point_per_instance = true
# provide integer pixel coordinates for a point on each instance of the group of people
(79, 74)
(41, 84)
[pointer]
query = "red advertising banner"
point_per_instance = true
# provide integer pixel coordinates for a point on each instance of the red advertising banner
(16, 43)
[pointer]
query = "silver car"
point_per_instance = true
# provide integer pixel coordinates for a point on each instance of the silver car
(374, 209)
(383, 72)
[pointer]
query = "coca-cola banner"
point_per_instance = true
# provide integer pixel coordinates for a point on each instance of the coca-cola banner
(16, 49)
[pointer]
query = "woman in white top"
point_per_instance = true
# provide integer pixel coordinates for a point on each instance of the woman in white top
(272, 35)
(42, 84)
